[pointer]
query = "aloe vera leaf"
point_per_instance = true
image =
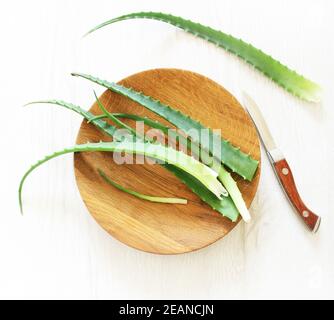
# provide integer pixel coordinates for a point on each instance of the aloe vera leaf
(288, 79)
(140, 195)
(153, 124)
(225, 206)
(223, 175)
(231, 156)
(149, 122)
(198, 170)
(234, 192)
(113, 118)
(101, 116)
(163, 128)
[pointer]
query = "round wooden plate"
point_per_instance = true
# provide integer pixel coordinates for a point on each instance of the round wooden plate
(154, 227)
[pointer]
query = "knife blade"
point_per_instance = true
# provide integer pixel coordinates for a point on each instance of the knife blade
(280, 165)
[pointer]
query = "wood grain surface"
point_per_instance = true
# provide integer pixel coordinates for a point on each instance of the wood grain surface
(285, 175)
(153, 227)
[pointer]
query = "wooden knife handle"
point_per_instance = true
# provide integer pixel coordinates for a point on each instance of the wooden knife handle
(285, 175)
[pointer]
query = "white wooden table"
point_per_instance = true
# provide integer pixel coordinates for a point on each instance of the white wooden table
(58, 251)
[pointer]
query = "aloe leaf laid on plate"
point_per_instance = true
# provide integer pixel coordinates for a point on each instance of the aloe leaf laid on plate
(224, 206)
(115, 119)
(231, 156)
(140, 195)
(198, 170)
(273, 69)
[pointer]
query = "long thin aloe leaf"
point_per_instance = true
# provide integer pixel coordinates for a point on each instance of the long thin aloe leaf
(113, 118)
(225, 206)
(231, 156)
(288, 79)
(198, 170)
(140, 195)
(149, 122)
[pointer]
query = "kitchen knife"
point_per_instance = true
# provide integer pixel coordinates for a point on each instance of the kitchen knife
(280, 165)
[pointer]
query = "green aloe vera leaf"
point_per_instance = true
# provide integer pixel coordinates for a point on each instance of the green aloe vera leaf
(198, 170)
(140, 195)
(231, 156)
(225, 206)
(288, 79)
(156, 125)
(113, 118)
(231, 186)
(99, 117)
(149, 122)
(223, 175)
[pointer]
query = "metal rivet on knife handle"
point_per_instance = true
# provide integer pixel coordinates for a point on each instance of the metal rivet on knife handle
(306, 214)
(285, 171)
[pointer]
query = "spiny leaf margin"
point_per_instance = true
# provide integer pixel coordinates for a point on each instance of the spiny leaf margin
(288, 79)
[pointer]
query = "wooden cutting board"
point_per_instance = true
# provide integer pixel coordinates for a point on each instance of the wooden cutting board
(154, 227)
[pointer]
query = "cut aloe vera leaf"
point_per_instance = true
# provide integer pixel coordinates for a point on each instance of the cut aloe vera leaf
(115, 119)
(140, 195)
(288, 79)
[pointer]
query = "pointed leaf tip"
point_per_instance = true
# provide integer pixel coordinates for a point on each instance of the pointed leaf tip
(285, 77)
